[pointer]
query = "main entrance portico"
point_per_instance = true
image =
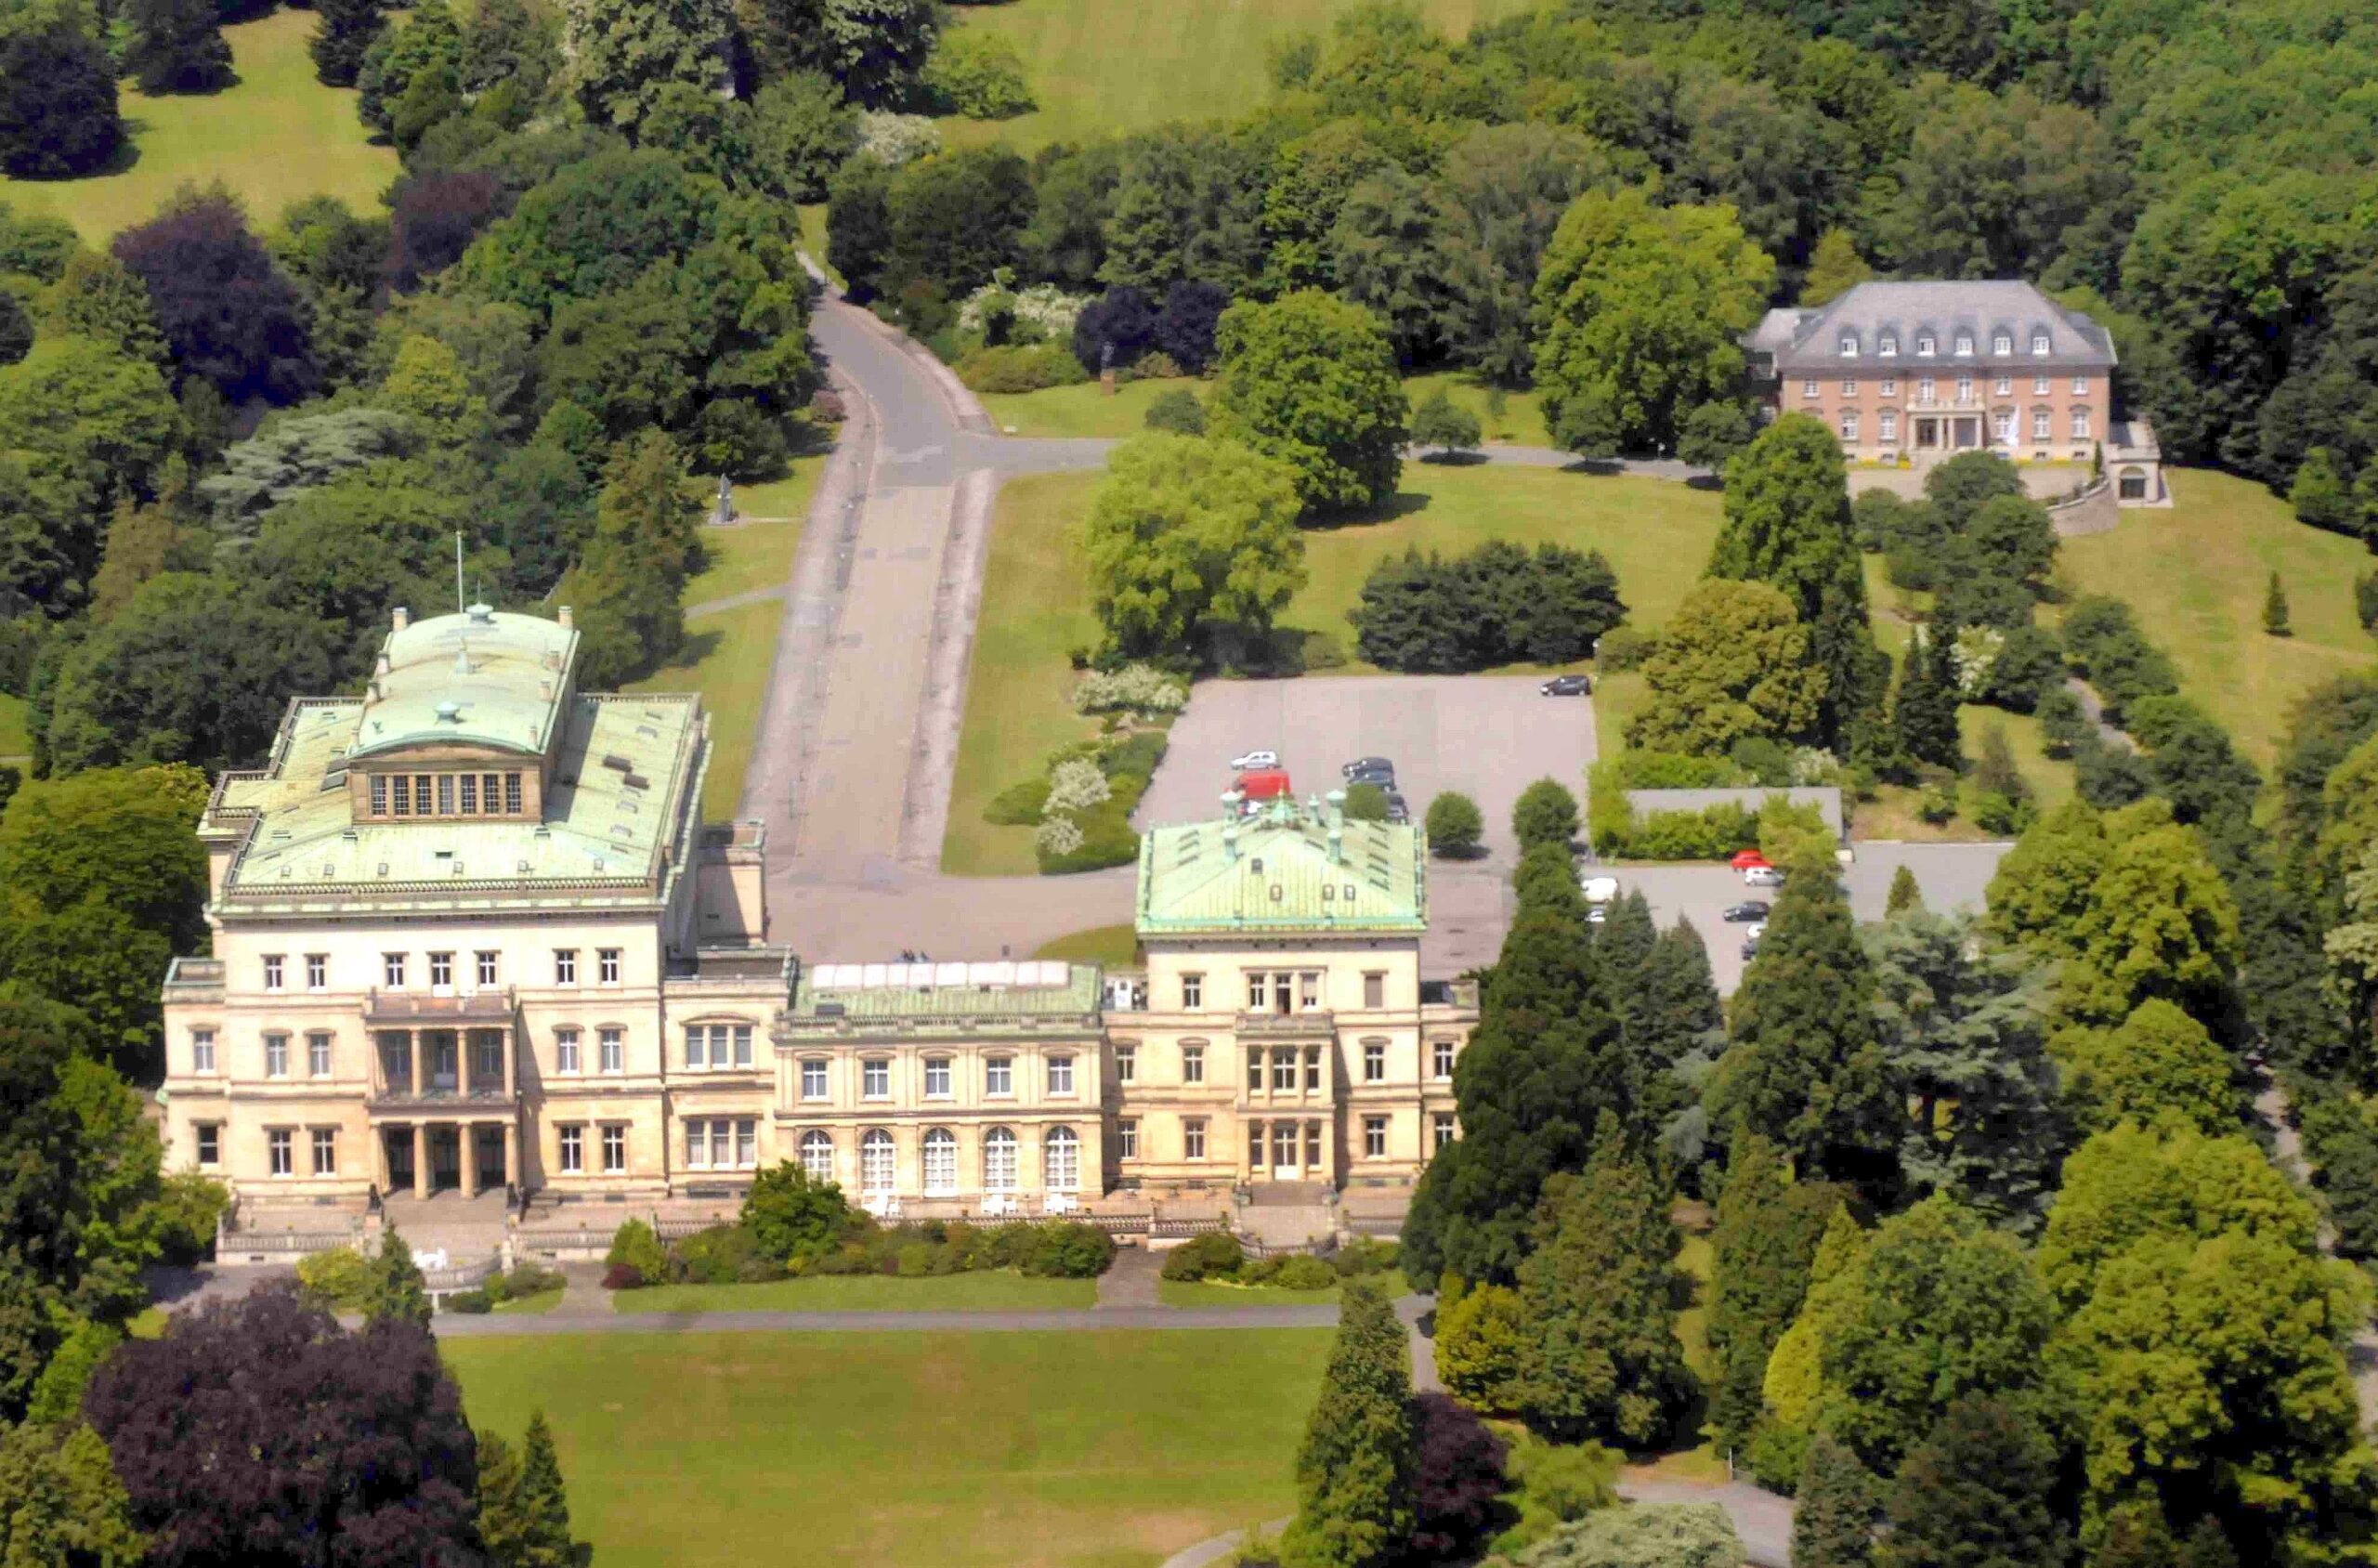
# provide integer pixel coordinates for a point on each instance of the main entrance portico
(428, 1157)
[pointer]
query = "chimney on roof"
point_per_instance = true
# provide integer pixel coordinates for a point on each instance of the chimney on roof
(404, 617)
(1230, 843)
(565, 618)
(380, 665)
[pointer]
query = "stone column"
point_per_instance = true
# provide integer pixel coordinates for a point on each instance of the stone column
(419, 1084)
(512, 1155)
(462, 1065)
(420, 1141)
(466, 1135)
(511, 1076)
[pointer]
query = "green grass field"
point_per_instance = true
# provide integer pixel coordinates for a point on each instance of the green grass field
(757, 552)
(1098, 68)
(2195, 576)
(1206, 1293)
(535, 1305)
(986, 1290)
(1035, 606)
(725, 658)
(1087, 410)
(1109, 947)
(1060, 1450)
(275, 136)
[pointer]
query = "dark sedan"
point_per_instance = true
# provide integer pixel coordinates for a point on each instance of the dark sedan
(1568, 685)
(1751, 909)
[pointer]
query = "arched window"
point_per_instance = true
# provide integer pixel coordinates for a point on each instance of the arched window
(817, 1155)
(1063, 1169)
(875, 1163)
(941, 1161)
(999, 1160)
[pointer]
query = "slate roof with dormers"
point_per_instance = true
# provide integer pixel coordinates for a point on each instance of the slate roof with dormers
(1280, 871)
(1809, 342)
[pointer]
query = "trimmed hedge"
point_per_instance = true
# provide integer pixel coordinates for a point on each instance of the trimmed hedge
(1020, 367)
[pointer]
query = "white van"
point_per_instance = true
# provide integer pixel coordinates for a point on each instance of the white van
(1600, 890)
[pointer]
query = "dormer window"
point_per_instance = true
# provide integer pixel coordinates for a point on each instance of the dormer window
(1889, 348)
(2039, 343)
(1965, 344)
(1848, 346)
(2002, 344)
(1924, 345)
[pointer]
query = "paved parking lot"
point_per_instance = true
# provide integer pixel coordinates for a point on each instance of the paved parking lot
(1487, 736)
(1952, 876)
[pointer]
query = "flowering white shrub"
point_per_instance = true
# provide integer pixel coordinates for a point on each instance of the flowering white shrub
(1043, 313)
(894, 139)
(1057, 835)
(1074, 786)
(1975, 655)
(1815, 766)
(1136, 688)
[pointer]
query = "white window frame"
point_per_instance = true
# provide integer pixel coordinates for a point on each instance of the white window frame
(940, 1162)
(2081, 429)
(207, 1144)
(1848, 346)
(1127, 1138)
(2039, 385)
(1192, 992)
(938, 1076)
(1964, 346)
(324, 1148)
(1374, 1137)
(817, 1153)
(1925, 344)
(1849, 425)
(2040, 342)
(1193, 1063)
(483, 967)
(441, 972)
(1193, 1138)
(814, 1067)
(2043, 424)
(1888, 347)
(567, 1055)
(607, 966)
(565, 966)
(1442, 1130)
(1849, 386)
(998, 1076)
(2004, 386)
(276, 1054)
(615, 1148)
(318, 1053)
(202, 1050)
(875, 1078)
(274, 965)
(2080, 385)
(1890, 388)
(879, 1163)
(1886, 425)
(1810, 388)
(1061, 1160)
(1061, 1077)
(611, 1046)
(1127, 1063)
(392, 971)
(281, 1151)
(1441, 1059)
(1375, 1062)
(2002, 343)
(2003, 422)
(1000, 1160)
(570, 1147)
(318, 972)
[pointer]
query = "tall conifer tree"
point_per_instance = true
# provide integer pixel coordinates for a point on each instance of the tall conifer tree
(1355, 1481)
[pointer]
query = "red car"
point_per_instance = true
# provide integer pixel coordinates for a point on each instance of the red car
(1745, 858)
(1264, 783)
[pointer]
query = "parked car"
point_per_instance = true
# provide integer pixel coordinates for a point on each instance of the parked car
(1397, 812)
(1748, 909)
(1597, 914)
(1568, 685)
(1598, 890)
(1254, 760)
(1763, 876)
(1745, 858)
(1369, 764)
(1383, 779)
(1750, 949)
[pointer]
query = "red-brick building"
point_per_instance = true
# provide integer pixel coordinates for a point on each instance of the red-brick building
(1931, 369)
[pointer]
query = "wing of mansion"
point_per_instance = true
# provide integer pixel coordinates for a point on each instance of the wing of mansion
(470, 932)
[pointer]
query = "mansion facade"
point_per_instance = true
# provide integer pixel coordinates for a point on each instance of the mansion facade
(471, 934)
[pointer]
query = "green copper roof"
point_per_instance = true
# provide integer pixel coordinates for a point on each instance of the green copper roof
(1282, 871)
(919, 995)
(479, 678)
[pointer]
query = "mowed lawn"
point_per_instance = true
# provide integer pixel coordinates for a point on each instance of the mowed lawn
(275, 136)
(1088, 410)
(1097, 67)
(2195, 576)
(1108, 1449)
(1036, 606)
(982, 1290)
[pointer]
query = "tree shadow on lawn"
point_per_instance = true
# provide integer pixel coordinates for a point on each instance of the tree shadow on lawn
(1402, 503)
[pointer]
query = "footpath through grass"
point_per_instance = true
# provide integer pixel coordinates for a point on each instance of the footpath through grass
(1062, 1450)
(275, 136)
(1206, 1293)
(979, 1291)
(1098, 68)
(2195, 576)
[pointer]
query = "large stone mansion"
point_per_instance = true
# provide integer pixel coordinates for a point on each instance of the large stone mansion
(472, 933)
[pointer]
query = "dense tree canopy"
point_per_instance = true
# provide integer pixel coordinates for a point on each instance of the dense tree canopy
(1311, 380)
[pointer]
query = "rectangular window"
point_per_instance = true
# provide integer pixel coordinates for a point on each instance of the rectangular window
(1193, 1138)
(1284, 1071)
(1965, 343)
(1441, 1059)
(1312, 1069)
(1127, 1140)
(1313, 1144)
(445, 794)
(318, 1056)
(2039, 386)
(1060, 1075)
(1924, 345)
(318, 972)
(404, 795)
(2039, 429)
(210, 1144)
(1258, 986)
(696, 1056)
(1127, 1063)
(1374, 1062)
(2003, 342)
(421, 795)
(1964, 390)
(392, 971)
(875, 1078)
(1255, 1145)
(202, 1050)
(1440, 1126)
(998, 1075)
(1887, 425)
(566, 1058)
(278, 1144)
(1890, 386)
(615, 1148)
(276, 1055)
(611, 1047)
(1849, 386)
(1374, 1137)
(2080, 385)
(573, 1151)
(1192, 992)
(1309, 991)
(1849, 425)
(484, 964)
(1254, 1069)
(512, 795)
(1890, 347)
(487, 794)
(379, 796)
(1809, 387)
(326, 1151)
(1924, 390)
(272, 971)
(936, 1077)
(747, 1144)
(2039, 343)
(1193, 1063)
(565, 966)
(470, 786)
(441, 971)
(1375, 990)
(742, 1033)
(812, 1079)
(1848, 346)
(2004, 386)
(607, 966)
(2080, 425)
(696, 1145)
